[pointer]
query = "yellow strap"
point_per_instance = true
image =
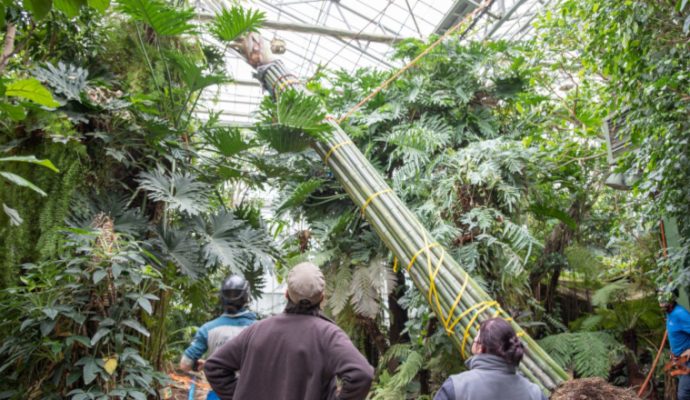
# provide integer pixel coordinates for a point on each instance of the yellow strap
(484, 306)
(449, 327)
(287, 82)
(334, 148)
(372, 197)
(395, 264)
(414, 257)
(280, 79)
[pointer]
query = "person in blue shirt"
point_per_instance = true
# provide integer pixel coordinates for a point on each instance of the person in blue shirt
(678, 328)
(234, 294)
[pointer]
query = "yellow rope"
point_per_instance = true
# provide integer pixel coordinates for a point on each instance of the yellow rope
(280, 79)
(395, 265)
(414, 257)
(484, 305)
(284, 84)
(409, 65)
(446, 324)
(372, 197)
(334, 148)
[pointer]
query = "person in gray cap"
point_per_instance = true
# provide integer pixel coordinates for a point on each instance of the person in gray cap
(296, 355)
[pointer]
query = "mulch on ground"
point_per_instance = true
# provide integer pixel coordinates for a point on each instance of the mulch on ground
(592, 389)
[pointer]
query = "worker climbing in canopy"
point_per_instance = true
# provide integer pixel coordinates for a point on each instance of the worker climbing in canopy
(678, 328)
(234, 295)
(299, 354)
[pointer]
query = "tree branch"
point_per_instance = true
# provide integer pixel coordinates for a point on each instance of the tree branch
(8, 48)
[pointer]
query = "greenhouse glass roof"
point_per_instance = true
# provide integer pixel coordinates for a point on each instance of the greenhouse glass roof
(350, 34)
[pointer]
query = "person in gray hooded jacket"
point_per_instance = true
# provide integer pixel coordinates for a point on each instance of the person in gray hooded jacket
(493, 368)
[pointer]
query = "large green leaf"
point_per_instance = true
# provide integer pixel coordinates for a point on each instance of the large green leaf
(14, 111)
(71, 8)
(293, 122)
(100, 5)
(230, 24)
(176, 247)
(65, 79)
(300, 194)
(31, 89)
(15, 218)
(228, 141)
(164, 19)
(18, 180)
(32, 160)
(39, 8)
(228, 241)
(181, 192)
(193, 75)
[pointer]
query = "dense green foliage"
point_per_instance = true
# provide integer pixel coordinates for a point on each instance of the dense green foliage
(119, 206)
(102, 255)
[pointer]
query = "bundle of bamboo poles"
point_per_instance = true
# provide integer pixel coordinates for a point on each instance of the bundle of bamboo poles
(459, 303)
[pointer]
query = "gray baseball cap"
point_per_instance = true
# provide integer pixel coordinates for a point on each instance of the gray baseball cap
(305, 283)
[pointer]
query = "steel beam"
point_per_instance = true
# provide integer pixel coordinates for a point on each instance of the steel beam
(321, 30)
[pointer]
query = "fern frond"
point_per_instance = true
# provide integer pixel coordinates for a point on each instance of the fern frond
(604, 296)
(587, 353)
(340, 290)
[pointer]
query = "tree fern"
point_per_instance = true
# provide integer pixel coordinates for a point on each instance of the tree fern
(587, 353)
(339, 294)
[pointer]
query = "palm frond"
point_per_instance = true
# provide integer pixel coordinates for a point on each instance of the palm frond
(231, 24)
(181, 192)
(165, 20)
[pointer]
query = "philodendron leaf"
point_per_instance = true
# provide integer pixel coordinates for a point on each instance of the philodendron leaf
(39, 8)
(71, 8)
(136, 326)
(31, 89)
(15, 112)
(100, 5)
(15, 219)
(32, 160)
(18, 180)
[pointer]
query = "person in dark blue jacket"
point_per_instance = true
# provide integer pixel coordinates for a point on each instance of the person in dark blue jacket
(213, 334)
(492, 371)
(678, 328)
